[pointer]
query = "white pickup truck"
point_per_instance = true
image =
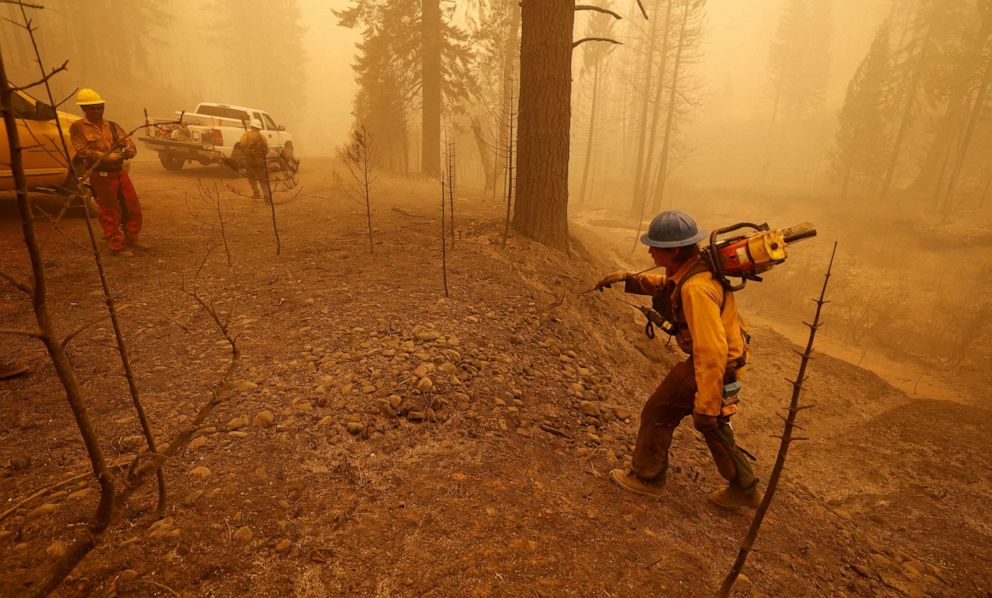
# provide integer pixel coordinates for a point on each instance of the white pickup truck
(210, 135)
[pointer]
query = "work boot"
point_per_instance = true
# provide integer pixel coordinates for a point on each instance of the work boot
(629, 481)
(734, 496)
(136, 244)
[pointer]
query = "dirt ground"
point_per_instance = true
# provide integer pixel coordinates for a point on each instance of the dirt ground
(337, 470)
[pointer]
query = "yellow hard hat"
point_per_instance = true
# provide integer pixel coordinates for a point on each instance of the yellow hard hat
(88, 97)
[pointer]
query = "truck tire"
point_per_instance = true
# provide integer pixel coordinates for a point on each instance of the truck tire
(287, 151)
(170, 162)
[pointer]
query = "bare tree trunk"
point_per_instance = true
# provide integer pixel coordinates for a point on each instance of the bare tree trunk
(931, 174)
(366, 172)
(444, 251)
(541, 210)
(511, 51)
(452, 166)
(848, 165)
(907, 114)
(662, 68)
(485, 159)
(508, 178)
(63, 368)
(589, 140)
(659, 192)
(430, 31)
(272, 208)
(639, 166)
(769, 134)
(976, 111)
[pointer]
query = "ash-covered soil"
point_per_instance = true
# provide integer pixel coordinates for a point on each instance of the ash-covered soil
(384, 439)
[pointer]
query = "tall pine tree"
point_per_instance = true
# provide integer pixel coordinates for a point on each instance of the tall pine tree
(863, 132)
(261, 45)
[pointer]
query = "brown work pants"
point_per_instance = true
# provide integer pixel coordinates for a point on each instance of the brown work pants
(670, 402)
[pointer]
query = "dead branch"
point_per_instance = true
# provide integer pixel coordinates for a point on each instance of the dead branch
(50, 487)
(22, 5)
(605, 11)
(783, 448)
(576, 43)
(640, 5)
(23, 332)
(19, 284)
(68, 338)
(43, 80)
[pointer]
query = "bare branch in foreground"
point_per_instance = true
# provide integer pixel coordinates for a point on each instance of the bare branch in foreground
(783, 448)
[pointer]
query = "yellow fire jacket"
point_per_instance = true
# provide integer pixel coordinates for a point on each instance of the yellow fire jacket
(92, 141)
(718, 338)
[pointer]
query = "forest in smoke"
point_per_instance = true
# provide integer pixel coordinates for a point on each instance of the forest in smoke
(354, 283)
(866, 99)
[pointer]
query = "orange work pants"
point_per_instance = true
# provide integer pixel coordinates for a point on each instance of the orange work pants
(118, 201)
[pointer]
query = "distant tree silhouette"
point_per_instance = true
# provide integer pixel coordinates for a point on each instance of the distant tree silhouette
(799, 57)
(594, 57)
(430, 67)
(863, 127)
(262, 45)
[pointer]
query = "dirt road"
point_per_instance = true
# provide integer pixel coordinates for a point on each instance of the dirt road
(337, 470)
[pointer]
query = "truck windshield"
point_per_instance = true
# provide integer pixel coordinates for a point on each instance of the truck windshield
(222, 112)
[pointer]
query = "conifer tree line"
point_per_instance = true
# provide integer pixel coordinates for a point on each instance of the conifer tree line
(171, 54)
(916, 120)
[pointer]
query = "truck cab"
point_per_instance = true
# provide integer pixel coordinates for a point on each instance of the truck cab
(43, 155)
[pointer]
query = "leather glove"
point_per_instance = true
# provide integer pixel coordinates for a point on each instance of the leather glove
(703, 423)
(611, 279)
(128, 153)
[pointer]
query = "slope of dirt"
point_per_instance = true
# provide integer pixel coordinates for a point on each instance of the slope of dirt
(487, 480)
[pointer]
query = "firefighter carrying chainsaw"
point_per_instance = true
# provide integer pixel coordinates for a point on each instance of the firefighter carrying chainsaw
(694, 302)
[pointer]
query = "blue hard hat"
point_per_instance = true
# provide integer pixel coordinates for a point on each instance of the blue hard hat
(673, 229)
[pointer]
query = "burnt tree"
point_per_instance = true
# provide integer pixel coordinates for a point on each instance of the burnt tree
(430, 23)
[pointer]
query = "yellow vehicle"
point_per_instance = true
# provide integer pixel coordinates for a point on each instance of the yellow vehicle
(44, 158)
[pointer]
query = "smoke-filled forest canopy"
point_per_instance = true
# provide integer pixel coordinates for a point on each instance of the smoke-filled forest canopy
(169, 56)
(461, 297)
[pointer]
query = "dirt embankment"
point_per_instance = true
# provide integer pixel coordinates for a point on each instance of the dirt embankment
(388, 440)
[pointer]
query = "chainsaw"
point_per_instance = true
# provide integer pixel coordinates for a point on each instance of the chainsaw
(745, 250)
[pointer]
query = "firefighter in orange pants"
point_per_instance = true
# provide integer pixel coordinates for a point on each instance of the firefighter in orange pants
(103, 146)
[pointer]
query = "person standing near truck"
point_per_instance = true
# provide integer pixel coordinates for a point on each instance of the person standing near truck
(255, 149)
(101, 147)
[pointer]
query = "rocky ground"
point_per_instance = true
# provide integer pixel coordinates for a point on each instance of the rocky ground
(386, 439)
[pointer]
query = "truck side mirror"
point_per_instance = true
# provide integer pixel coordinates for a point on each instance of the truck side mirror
(281, 127)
